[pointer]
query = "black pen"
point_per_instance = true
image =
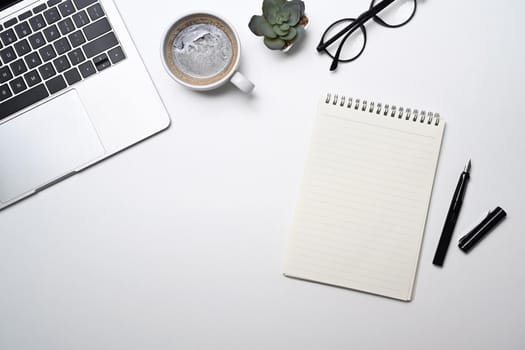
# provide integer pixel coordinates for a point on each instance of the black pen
(452, 216)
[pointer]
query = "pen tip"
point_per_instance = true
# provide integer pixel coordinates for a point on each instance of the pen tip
(468, 166)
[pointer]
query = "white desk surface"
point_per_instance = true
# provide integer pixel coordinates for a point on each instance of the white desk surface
(177, 243)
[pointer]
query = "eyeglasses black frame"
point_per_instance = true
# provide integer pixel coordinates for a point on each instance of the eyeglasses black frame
(355, 24)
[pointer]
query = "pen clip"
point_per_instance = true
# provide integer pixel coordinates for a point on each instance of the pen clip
(473, 226)
(493, 218)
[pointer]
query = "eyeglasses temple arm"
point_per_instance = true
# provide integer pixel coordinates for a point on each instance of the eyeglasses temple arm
(361, 20)
(335, 61)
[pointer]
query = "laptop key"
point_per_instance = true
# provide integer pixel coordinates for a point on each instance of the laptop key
(32, 78)
(103, 65)
(116, 55)
(62, 46)
(8, 55)
(95, 12)
(51, 33)
(100, 45)
(18, 85)
(5, 93)
(37, 22)
(25, 99)
(66, 26)
(87, 69)
(47, 71)
(81, 19)
(25, 15)
(76, 57)
(39, 8)
(56, 84)
(33, 60)
(5, 74)
(37, 41)
(52, 15)
(77, 38)
(8, 37)
(61, 64)
(80, 4)
(22, 47)
(53, 2)
(23, 29)
(18, 67)
(11, 22)
(97, 29)
(47, 53)
(100, 58)
(72, 76)
(66, 8)
(101, 62)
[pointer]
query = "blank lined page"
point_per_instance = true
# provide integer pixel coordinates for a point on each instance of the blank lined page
(364, 198)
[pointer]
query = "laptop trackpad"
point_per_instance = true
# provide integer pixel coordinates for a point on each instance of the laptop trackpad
(45, 144)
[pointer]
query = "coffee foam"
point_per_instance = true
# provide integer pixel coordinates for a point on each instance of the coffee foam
(193, 20)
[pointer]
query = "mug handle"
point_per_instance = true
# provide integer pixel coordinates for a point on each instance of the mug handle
(242, 83)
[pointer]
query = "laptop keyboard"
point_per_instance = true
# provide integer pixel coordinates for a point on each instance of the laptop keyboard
(50, 47)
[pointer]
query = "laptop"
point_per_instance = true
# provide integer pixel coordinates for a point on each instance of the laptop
(73, 91)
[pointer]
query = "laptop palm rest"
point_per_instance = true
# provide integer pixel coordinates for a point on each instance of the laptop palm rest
(44, 145)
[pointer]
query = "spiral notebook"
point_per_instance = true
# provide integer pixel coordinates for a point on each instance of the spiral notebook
(364, 198)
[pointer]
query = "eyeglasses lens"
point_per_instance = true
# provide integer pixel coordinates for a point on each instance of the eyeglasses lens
(354, 44)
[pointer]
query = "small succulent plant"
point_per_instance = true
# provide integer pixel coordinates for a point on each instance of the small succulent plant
(282, 23)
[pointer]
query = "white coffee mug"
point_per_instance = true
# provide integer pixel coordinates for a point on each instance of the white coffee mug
(186, 56)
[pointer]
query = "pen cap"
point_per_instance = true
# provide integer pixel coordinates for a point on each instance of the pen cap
(467, 242)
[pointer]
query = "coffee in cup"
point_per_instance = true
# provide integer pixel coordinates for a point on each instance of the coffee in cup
(202, 51)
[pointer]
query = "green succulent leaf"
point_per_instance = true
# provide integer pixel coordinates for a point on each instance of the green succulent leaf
(301, 5)
(301, 33)
(269, 4)
(271, 9)
(274, 44)
(271, 16)
(260, 27)
(279, 24)
(284, 16)
(279, 31)
(296, 10)
(291, 35)
(280, 17)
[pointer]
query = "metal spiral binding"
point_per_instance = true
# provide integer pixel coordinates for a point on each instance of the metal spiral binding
(384, 110)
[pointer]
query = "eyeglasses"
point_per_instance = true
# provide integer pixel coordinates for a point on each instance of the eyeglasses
(351, 25)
